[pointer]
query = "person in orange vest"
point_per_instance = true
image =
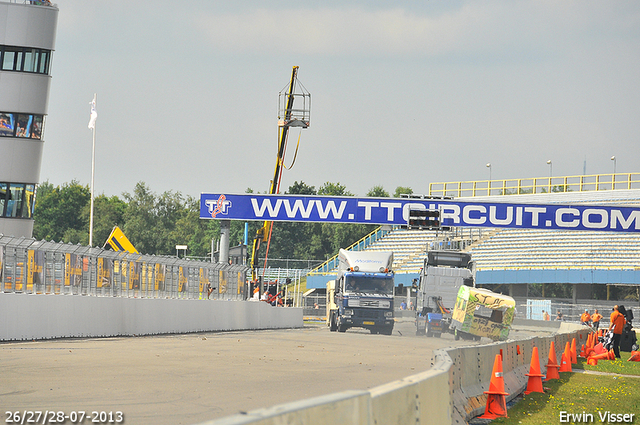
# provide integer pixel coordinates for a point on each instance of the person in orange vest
(595, 319)
(585, 318)
(617, 322)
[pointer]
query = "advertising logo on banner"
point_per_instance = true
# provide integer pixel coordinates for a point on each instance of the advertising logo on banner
(105, 277)
(35, 267)
(222, 282)
(182, 279)
(72, 269)
(394, 211)
(159, 270)
(204, 279)
(134, 275)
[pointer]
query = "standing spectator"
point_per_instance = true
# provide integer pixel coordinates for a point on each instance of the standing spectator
(559, 316)
(617, 322)
(403, 305)
(595, 319)
(545, 316)
(585, 318)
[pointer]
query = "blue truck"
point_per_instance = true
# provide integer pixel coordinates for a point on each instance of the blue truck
(362, 294)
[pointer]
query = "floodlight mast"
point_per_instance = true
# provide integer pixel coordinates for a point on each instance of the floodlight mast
(289, 117)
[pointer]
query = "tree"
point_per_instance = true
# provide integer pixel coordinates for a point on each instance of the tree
(150, 220)
(334, 189)
(107, 213)
(59, 211)
(400, 190)
(290, 240)
(377, 192)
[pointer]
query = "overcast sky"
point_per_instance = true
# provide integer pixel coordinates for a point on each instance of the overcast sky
(404, 93)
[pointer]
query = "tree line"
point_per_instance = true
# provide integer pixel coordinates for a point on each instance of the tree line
(156, 223)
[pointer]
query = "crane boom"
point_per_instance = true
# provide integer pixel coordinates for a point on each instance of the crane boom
(262, 235)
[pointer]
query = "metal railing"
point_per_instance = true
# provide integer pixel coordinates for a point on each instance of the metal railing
(584, 183)
(40, 267)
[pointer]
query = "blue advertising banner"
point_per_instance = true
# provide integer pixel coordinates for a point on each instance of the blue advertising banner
(395, 211)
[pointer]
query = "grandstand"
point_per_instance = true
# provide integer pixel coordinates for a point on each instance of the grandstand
(518, 257)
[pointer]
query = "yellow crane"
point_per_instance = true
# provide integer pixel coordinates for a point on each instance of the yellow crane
(287, 117)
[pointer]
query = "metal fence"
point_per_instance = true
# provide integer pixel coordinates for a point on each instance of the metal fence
(40, 267)
(572, 312)
(583, 183)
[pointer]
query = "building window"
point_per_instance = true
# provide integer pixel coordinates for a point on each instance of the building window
(17, 200)
(21, 125)
(24, 59)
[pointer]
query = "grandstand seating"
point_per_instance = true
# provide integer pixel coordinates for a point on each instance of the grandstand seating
(407, 247)
(555, 249)
(505, 249)
(518, 249)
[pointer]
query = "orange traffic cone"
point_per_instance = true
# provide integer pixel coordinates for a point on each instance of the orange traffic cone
(534, 385)
(565, 363)
(583, 353)
(567, 351)
(602, 356)
(552, 364)
(592, 362)
(496, 402)
(599, 348)
(574, 355)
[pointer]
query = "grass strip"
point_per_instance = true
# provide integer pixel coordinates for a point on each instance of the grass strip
(582, 394)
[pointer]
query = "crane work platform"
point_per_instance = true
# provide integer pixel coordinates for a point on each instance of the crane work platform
(289, 116)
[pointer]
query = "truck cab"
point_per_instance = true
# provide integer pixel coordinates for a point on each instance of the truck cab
(362, 294)
(442, 275)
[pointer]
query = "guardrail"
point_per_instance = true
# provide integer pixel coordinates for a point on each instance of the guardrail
(594, 182)
(40, 267)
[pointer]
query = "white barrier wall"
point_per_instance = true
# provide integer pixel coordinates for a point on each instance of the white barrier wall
(451, 392)
(27, 317)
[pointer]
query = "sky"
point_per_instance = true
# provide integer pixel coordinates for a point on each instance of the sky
(403, 93)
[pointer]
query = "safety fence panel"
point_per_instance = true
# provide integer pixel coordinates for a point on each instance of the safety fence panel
(40, 267)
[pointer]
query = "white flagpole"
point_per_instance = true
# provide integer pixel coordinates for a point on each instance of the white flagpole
(92, 126)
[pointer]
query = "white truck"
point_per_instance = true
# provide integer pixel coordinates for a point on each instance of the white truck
(442, 275)
(362, 294)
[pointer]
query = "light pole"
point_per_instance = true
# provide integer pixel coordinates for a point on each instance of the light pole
(550, 164)
(613, 176)
(613, 158)
(489, 182)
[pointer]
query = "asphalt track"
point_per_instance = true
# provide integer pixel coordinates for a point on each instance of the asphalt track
(192, 378)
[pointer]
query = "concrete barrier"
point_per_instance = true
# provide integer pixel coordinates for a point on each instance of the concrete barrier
(421, 398)
(29, 317)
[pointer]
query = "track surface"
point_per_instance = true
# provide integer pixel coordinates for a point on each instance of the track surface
(187, 379)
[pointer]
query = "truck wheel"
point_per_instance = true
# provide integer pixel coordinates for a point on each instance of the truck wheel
(342, 328)
(386, 331)
(438, 335)
(333, 326)
(429, 334)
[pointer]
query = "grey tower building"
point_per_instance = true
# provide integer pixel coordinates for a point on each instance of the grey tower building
(27, 39)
